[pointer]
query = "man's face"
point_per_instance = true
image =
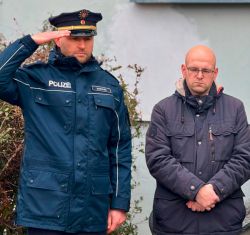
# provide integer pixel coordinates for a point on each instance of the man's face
(79, 47)
(199, 71)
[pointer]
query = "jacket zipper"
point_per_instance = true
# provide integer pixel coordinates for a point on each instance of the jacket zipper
(211, 138)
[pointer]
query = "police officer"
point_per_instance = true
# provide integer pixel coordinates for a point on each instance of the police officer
(75, 173)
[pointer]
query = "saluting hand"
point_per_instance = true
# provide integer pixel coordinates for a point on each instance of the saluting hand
(45, 37)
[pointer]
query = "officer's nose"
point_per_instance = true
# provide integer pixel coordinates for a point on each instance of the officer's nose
(81, 43)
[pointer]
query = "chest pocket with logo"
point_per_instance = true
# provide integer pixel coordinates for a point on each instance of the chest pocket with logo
(181, 139)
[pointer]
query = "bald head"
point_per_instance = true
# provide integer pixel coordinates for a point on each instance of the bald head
(199, 70)
(201, 53)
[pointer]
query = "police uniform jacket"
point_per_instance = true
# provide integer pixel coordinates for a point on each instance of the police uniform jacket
(192, 141)
(77, 152)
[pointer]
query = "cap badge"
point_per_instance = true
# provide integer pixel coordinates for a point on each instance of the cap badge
(83, 14)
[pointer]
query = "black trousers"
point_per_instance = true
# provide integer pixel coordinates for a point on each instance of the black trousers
(36, 231)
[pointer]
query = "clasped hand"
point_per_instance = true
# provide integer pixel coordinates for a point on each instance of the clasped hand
(205, 199)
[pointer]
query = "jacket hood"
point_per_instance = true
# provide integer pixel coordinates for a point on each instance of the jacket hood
(199, 104)
(58, 59)
(180, 88)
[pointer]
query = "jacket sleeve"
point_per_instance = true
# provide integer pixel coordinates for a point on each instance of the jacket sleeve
(167, 171)
(237, 170)
(120, 159)
(10, 60)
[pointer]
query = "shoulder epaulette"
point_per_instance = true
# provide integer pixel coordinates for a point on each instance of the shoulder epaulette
(114, 79)
(35, 64)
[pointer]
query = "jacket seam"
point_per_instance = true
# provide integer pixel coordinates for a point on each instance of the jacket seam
(117, 155)
(38, 88)
(11, 56)
(97, 93)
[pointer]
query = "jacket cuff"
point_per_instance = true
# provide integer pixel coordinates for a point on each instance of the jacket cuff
(219, 189)
(120, 203)
(29, 43)
(193, 189)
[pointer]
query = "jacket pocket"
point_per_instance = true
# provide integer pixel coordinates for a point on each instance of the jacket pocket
(44, 195)
(181, 140)
(103, 117)
(47, 180)
(52, 98)
(52, 109)
(222, 139)
(99, 201)
(101, 185)
(104, 101)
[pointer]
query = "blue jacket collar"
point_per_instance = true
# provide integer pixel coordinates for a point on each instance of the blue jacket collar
(64, 62)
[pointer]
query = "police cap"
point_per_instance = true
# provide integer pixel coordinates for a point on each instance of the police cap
(80, 23)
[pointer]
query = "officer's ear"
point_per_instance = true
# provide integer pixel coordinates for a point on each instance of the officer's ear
(57, 42)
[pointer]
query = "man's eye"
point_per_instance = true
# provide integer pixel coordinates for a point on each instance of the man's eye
(87, 38)
(194, 70)
(206, 71)
(73, 38)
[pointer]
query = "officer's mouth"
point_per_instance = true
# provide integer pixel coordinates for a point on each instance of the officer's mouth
(81, 54)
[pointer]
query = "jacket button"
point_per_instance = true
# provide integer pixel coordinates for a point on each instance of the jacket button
(31, 181)
(197, 115)
(199, 142)
(200, 173)
(192, 187)
(79, 100)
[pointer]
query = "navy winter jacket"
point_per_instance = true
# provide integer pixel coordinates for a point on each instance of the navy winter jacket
(193, 142)
(77, 152)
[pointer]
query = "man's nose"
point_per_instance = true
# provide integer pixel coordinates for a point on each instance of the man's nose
(200, 74)
(81, 43)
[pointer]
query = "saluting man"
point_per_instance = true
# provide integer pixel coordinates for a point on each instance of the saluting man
(76, 168)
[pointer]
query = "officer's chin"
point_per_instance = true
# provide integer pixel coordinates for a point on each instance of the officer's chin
(82, 58)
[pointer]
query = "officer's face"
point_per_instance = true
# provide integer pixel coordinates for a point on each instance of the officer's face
(79, 47)
(199, 71)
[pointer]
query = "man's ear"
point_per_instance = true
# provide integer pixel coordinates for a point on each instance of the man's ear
(216, 73)
(184, 70)
(57, 42)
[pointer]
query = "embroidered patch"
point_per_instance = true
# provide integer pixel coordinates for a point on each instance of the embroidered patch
(59, 84)
(101, 89)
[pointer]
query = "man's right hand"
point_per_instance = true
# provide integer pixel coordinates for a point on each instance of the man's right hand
(46, 37)
(207, 197)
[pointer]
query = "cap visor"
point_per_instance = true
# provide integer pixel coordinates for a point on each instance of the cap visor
(81, 33)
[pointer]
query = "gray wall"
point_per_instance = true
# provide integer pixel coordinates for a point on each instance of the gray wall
(156, 37)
